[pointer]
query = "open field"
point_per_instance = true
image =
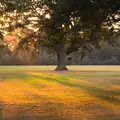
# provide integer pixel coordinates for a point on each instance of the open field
(39, 93)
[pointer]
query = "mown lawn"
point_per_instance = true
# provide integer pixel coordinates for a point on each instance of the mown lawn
(39, 93)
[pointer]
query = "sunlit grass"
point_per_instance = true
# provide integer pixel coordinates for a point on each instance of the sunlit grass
(75, 95)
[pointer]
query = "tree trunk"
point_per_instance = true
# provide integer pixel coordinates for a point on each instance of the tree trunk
(61, 57)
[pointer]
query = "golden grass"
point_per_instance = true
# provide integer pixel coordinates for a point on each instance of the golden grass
(75, 95)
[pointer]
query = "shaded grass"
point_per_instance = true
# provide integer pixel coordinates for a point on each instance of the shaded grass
(12, 76)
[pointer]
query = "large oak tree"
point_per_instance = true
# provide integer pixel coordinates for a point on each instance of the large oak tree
(67, 25)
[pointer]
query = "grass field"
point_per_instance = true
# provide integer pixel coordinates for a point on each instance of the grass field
(39, 93)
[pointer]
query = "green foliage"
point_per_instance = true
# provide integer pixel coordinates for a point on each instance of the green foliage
(86, 16)
(74, 23)
(19, 5)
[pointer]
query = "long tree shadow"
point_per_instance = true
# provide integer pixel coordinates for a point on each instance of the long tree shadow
(13, 76)
(107, 95)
